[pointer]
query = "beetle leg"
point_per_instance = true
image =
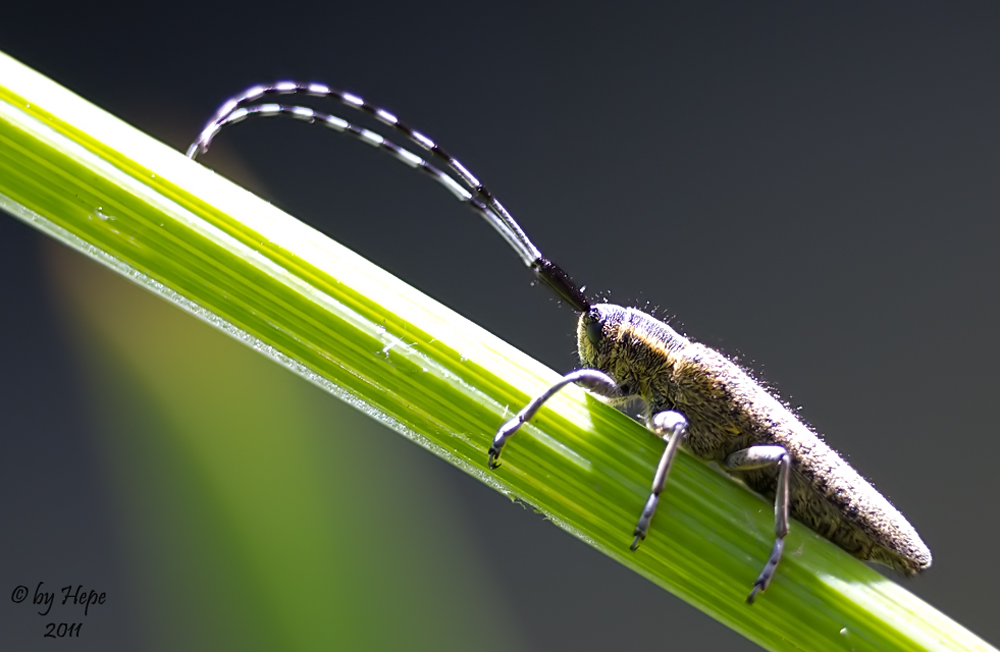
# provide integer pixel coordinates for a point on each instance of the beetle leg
(592, 379)
(757, 457)
(671, 426)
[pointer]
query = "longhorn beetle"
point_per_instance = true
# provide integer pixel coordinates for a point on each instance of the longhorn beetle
(694, 396)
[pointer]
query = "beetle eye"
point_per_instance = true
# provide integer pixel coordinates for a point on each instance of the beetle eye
(595, 333)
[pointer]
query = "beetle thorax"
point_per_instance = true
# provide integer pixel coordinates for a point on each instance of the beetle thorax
(628, 345)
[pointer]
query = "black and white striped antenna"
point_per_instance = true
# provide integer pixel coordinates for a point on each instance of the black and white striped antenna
(470, 191)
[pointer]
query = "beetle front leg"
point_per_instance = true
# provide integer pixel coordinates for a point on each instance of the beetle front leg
(757, 457)
(592, 379)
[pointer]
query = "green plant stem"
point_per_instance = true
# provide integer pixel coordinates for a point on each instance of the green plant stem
(108, 190)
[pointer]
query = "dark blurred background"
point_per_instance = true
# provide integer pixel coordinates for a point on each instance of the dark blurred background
(811, 189)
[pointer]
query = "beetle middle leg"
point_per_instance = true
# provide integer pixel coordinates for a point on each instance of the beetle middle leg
(667, 424)
(757, 457)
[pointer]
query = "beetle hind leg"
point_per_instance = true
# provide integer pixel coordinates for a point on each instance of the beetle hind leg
(757, 457)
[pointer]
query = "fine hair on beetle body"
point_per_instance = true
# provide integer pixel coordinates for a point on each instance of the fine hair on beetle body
(693, 396)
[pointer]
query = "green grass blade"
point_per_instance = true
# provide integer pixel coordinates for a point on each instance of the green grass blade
(185, 233)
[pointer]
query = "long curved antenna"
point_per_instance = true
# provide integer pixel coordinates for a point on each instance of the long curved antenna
(256, 93)
(528, 254)
(480, 200)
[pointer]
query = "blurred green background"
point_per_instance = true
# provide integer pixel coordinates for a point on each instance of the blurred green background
(256, 511)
